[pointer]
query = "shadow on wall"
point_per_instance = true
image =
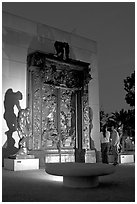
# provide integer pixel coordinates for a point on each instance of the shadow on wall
(11, 99)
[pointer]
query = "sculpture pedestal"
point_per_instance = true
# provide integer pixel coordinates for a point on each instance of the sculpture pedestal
(126, 158)
(123, 158)
(66, 155)
(90, 156)
(21, 164)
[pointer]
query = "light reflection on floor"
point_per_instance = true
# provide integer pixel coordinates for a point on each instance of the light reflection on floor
(49, 177)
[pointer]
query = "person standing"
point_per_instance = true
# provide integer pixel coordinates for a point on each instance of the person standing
(105, 137)
(115, 144)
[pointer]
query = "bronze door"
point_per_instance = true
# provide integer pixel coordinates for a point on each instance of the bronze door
(53, 112)
(58, 100)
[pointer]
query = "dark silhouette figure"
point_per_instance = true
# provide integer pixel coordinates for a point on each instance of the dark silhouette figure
(105, 144)
(11, 99)
(62, 50)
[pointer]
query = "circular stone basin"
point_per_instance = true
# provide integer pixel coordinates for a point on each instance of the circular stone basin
(79, 175)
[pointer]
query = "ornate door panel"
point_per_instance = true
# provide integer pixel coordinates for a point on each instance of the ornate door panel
(67, 117)
(49, 134)
(36, 107)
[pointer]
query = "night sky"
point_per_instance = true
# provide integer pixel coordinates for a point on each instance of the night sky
(111, 24)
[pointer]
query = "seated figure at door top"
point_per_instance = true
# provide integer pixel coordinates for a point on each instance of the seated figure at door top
(62, 50)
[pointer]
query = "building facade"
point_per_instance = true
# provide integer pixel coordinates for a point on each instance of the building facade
(55, 74)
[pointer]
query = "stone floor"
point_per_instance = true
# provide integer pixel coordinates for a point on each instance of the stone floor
(37, 186)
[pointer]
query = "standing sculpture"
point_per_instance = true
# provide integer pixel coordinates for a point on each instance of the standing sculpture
(24, 133)
(23, 129)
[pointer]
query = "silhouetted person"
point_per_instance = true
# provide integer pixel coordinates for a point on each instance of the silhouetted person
(115, 143)
(105, 138)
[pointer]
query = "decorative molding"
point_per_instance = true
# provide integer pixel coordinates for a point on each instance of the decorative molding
(71, 74)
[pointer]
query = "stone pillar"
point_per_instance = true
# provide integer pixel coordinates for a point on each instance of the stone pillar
(79, 152)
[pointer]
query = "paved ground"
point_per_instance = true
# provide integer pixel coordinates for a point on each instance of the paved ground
(37, 186)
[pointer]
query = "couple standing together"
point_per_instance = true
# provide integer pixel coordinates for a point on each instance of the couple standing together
(105, 143)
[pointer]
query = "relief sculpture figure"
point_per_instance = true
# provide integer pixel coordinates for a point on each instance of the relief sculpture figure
(24, 131)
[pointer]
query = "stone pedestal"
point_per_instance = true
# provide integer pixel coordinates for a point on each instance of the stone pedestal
(65, 155)
(21, 164)
(90, 156)
(125, 158)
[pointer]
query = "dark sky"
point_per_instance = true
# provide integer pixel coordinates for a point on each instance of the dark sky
(111, 24)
